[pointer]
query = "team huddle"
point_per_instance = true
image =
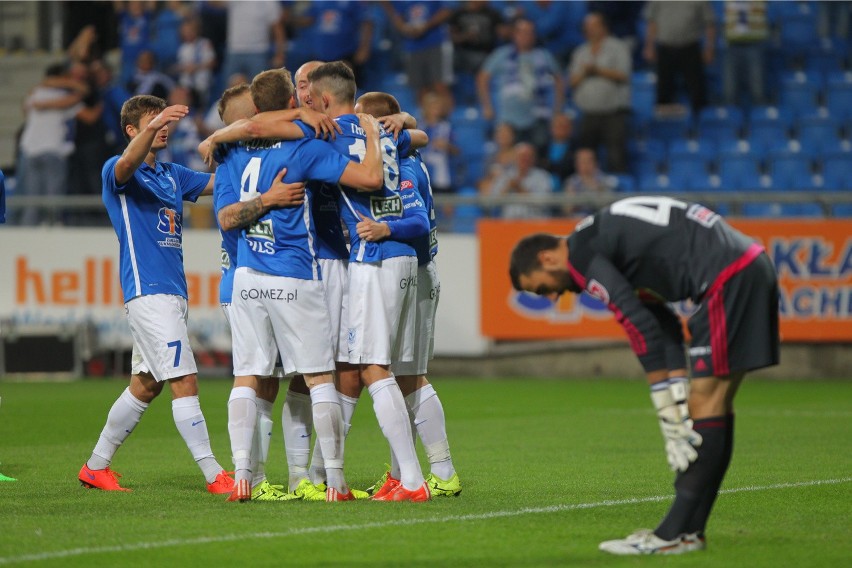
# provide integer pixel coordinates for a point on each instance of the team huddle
(328, 239)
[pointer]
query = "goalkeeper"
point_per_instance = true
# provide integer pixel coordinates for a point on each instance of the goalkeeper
(635, 256)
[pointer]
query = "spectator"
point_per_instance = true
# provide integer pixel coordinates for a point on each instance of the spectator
(557, 25)
(673, 44)
(184, 135)
(337, 31)
(747, 33)
(149, 81)
(48, 139)
(134, 32)
(475, 29)
(213, 15)
(528, 84)
(250, 26)
(196, 60)
(587, 179)
(439, 154)
(559, 160)
(599, 76)
(423, 26)
(165, 37)
(622, 18)
(500, 157)
(523, 178)
(113, 96)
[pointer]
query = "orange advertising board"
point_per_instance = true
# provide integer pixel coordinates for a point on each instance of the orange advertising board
(813, 259)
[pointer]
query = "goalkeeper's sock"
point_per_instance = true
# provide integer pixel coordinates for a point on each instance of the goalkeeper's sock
(123, 417)
(691, 485)
(699, 519)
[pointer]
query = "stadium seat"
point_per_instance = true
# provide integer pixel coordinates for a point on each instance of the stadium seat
(790, 171)
(669, 129)
(624, 183)
(815, 132)
(655, 183)
(770, 114)
(763, 137)
(682, 168)
(842, 209)
(643, 93)
(802, 210)
(771, 210)
(827, 56)
(837, 172)
(647, 149)
(738, 171)
(465, 217)
(708, 182)
(798, 25)
(799, 91)
(838, 94)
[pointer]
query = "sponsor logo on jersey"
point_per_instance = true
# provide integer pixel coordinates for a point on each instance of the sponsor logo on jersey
(385, 206)
(261, 230)
(226, 260)
(702, 215)
(168, 222)
(598, 291)
(406, 184)
(433, 238)
(270, 294)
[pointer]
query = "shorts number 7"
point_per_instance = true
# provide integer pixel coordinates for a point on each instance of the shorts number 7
(176, 345)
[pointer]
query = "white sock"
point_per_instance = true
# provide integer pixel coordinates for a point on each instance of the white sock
(262, 438)
(297, 422)
(428, 419)
(242, 420)
(123, 417)
(347, 405)
(328, 422)
(193, 428)
(392, 416)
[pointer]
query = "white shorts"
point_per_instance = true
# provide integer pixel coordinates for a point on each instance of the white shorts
(382, 310)
(336, 280)
(428, 294)
(277, 314)
(228, 309)
(160, 340)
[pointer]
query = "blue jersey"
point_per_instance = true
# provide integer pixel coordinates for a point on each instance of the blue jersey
(384, 204)
(426, 246)
(146, 213)
(224, 194)
(283, 241)
(331, 242)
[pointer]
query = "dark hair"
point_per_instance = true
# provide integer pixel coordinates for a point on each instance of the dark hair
(229, 94)
(272, 90)
(378, 103)
(136, 107)
(56, 70)
(524, 258)
(336, 77)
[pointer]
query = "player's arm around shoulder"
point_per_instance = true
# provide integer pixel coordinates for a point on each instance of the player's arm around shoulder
(368, 175)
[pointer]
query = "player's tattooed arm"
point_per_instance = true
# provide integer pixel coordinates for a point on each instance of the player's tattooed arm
(280, 194)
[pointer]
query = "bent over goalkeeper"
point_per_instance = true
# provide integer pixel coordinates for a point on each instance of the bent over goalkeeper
(636, 256)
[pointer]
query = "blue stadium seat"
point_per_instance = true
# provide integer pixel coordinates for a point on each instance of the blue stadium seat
(790, 171)
(802, 210)
(837, 172)
(655, 183)
(706, 147)
(465, 217)
(772, 210)
(827, 56)
(799, 91)
(647, 149)
(682, 168)
(815, 132)
(470, 137)
(798, 25)
(624, 183)
(709, 182)
(764, 114)
(838, 94)
(842, 210)
(668, 129)
(738, 171)
(643, 93)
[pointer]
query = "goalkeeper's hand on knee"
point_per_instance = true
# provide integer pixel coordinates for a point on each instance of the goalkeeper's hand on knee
(669, 399)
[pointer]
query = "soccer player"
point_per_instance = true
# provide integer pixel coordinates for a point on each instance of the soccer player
(144, 199)
(278, 292)
(635, 256)
(424, 406)
(232, 216)
(382, 281)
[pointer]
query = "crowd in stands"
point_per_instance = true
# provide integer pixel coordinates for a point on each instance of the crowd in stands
(516, 96)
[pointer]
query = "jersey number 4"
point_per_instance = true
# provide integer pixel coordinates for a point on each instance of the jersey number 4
(653, 210)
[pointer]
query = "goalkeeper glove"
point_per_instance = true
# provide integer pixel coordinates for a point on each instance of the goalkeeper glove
(669, 398)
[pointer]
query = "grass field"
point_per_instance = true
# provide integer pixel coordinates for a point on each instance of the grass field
(549, 469)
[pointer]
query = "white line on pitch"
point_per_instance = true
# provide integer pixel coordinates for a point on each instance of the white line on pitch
(382, 524)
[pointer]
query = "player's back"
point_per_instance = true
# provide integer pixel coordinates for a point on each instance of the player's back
(672, 247)
(381, 205)
(427, 246)
(281, 242)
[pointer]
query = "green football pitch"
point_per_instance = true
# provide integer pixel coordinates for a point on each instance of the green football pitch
(549, 468)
